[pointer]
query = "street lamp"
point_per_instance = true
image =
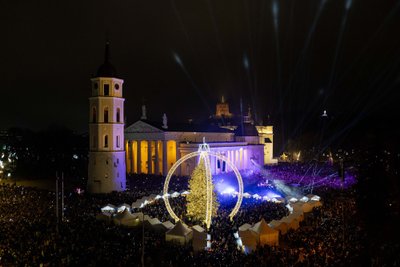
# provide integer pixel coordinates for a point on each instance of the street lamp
(142, 257)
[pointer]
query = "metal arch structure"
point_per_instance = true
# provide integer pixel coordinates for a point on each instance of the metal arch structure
(205, 153)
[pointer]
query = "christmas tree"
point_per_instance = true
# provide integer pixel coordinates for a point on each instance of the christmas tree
(197, 199)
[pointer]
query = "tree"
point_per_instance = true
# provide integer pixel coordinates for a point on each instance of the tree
(197, 199)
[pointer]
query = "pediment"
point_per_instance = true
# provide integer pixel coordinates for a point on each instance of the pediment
(142, 127)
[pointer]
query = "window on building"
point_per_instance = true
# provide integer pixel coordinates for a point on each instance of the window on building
(117, 141)
(106, 115)
(118, 114)
(94, 115)
(106, 89)
(106, 141)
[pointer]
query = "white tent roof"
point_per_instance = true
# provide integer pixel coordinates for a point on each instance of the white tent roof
(266, 198)
(124, 207)
(179, 230)
(291, 199)
(175, 194)
(168, 224)
(136, 204)
(110, 205)
(276, 223)
(154, 221)
(304, 199)
(108, 208)
(262, 228)
(244, 227)
(281, 226)
(198, 228)
(278, 199)
(291, 221)
(314, 197)
(246, 195)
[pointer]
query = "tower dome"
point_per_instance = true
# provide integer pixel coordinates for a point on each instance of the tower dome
(106, 69)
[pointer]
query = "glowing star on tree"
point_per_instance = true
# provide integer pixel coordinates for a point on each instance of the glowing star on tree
(197, 199)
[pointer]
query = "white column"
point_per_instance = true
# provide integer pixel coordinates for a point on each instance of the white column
(149, 158)
(132, 153)
(241, 158)
(127, 158)
(236, 159)
(164, 164)
(139, 157)
(157, 163)
(227, 168)
(245, 159)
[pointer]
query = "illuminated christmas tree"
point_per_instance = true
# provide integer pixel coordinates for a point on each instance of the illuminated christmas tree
(197, 199)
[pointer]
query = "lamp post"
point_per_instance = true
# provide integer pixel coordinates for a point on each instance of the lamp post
(142, 256)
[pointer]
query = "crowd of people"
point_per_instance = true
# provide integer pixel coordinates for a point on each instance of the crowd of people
(30, 235)
(314, 174)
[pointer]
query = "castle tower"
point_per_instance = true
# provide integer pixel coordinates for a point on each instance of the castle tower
(106, 172)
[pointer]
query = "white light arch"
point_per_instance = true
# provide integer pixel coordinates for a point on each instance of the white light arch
(206, 153)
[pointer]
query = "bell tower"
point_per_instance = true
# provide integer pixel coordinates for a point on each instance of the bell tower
(106, 170)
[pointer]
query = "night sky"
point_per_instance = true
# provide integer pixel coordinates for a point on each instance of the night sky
(180, 57)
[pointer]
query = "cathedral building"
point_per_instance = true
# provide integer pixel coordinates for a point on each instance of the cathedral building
(152, 147)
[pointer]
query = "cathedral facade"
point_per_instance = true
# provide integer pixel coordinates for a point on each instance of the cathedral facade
(153, 147)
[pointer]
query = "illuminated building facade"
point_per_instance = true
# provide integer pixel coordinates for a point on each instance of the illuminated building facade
(153, 147)
(106, 170)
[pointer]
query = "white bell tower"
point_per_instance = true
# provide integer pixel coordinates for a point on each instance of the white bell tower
(106, 172)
